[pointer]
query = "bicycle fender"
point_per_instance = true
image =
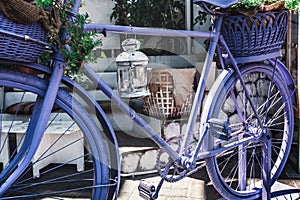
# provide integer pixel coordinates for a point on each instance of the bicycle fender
(107, 127)
(216, 88)
(287, 77)
(226, 74)
(109, 131)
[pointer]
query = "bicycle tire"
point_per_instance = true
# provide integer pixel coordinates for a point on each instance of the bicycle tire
(237, 173)
(70, 162)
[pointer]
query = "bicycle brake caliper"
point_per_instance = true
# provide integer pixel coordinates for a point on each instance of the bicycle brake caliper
(221, 129)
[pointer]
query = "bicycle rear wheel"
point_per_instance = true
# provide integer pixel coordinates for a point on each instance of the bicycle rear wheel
(237, 172)
(71, 161)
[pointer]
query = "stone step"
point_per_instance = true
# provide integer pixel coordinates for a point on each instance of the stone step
(138, 160)
(138, 154)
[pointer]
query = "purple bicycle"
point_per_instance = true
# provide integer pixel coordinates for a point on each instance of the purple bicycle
(245, 133)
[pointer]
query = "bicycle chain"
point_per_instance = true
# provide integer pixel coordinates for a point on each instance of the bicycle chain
(195, 170)
(173, 177)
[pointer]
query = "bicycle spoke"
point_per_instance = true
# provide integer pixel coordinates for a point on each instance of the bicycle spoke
(239, 170)
(71, 157)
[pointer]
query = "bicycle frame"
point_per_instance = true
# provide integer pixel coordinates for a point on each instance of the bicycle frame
(216, 39)
(185, 161)
(214, 36)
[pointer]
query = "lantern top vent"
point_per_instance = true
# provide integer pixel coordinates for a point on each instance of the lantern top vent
(130, 53)
(131, 45)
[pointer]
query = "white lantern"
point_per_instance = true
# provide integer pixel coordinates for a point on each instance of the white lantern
(132, 70)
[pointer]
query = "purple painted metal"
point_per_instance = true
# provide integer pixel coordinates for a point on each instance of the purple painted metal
(116, 99)
(266, 171)
(76, 6)
(21, 42)
(106, 125)
(45, 109)
(147, 31)
(200, 89)
(218, 3)
(24, 148)
(287, 77)
(235, 67)
(38, 124)
(255, 38)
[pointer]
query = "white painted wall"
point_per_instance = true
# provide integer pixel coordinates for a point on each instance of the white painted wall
(99, 10)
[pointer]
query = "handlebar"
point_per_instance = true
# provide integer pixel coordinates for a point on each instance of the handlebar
(147, 31)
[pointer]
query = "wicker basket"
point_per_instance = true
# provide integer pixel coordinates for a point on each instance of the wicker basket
(19, 42)
(259, 35)
(161, 103)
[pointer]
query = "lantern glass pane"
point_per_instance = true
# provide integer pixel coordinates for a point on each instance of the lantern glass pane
(124, 79)
(139, 76)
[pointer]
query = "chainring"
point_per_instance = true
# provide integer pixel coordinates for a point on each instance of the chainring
(169, 169)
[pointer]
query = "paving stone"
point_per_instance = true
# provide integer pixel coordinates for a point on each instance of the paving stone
(188, 188)
(196, 189)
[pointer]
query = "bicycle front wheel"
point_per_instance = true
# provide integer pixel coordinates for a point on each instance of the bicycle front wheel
(71, 161)
(237, 172)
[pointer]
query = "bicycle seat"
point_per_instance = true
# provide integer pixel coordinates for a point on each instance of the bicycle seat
(218, 3)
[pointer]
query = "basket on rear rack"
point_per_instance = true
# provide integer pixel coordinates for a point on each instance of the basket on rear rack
(258, 37)
(19, 42)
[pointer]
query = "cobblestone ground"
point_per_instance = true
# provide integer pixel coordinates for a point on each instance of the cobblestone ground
(199, 187)
(188, 188)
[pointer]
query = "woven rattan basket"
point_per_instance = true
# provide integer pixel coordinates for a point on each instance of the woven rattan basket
(161, 103)
(19, 42)
(262, 34)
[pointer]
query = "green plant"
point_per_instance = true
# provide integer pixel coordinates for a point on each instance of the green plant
(251, 7)
(267, 5)
(79, 44)
(43, 3)
(150, 13)
(249, 3)
(292, 4)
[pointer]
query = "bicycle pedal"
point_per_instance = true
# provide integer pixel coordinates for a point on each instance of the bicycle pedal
(146, 190)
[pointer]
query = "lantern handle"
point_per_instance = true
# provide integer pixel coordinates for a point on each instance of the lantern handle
(132, 30)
